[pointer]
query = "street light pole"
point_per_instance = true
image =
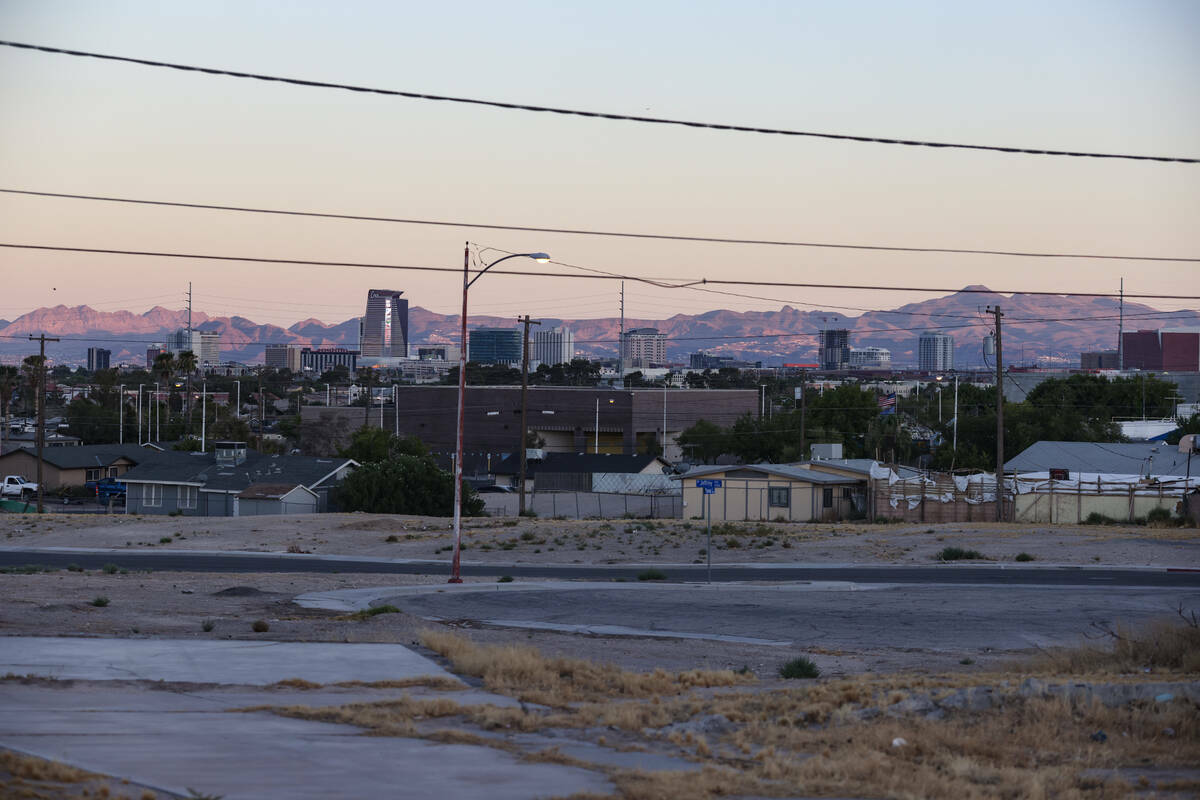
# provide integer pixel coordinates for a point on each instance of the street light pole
(455, 577)
(121, 416)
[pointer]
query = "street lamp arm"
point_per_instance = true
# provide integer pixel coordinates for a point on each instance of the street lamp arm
(540, 257)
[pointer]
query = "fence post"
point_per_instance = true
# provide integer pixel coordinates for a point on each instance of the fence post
(577, 514)
(554, 504)
(626, 504)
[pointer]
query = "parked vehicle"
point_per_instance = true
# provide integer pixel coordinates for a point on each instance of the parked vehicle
(106, 489)
(16, 486)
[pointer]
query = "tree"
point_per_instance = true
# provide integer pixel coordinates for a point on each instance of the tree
(31, 380)
(339, 373)
(404, 484)
(704, 442)
(186, 365)
(370, 445)
(9, 380)
(164, 369)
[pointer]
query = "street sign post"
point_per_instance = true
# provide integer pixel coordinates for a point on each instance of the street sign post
(710, 486)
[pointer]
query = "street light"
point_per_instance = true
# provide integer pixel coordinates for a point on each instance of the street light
(541, 258)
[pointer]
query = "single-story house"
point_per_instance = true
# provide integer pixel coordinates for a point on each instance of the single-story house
(772, 492)
(855, 467)
(209, 484)
(587, 472)
(73, 466)
(276, 498)
(1106, 458)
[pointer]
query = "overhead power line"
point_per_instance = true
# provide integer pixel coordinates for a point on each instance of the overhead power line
(665, 283)
(575, 112)
(670, 237)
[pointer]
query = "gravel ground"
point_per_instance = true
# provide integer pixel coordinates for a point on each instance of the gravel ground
(492, 540)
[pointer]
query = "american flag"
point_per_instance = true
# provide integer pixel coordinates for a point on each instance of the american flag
(887, 403)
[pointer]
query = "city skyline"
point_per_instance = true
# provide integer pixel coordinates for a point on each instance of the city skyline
(1118, 82)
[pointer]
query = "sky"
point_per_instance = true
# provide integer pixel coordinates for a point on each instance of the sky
(1092, 75)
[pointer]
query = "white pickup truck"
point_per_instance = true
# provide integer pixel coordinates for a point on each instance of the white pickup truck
(16, 486)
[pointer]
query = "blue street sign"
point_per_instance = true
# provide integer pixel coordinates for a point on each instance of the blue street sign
(708, 484)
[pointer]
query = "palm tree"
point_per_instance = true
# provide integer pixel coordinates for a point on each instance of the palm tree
(164, 368)
(9, 379)
(186, 365)
(31, 375)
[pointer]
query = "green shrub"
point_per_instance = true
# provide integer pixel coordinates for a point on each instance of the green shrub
(527, 536)
(110, 569)
(958, 554)
(375, 611)
(1024, 557)
(1096, 518)
(505, 579)
(207, 625)
(392, 538)
(1159, 516)
(100, 602)
(801, 667)
(652, 575)
(733, 543)
(260, 626)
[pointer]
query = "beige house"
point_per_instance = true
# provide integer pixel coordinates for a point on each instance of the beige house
(73, 466)
(769, 492)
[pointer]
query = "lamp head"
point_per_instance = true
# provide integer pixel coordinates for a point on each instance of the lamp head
(541, 258)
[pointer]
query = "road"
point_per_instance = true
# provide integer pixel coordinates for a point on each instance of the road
(933, 574)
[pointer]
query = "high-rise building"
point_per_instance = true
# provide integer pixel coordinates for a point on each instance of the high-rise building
(1099, 359)
(1165, 349)
(935, 352)
(644, 347)
(870, 358)
(152, 352)
(321, 359)
(205, 345)
(495, 345)
(385, 325)
(282, 356)
(553, 346)
(98, 358)
(835, 348)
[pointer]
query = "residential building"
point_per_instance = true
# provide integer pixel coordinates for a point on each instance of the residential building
(935, 352)
(73, 466)
(495, 345)
(643, 347)
(205, 345)
(1162, 350)
(1100, 359)
(153, 352)
(217, 484)
(98, 358)
(834, 349)
(870, 358)
(385, 325)
(1148, 459)
(321, 359)
(553, 346)
(283, 356)
(772, 492)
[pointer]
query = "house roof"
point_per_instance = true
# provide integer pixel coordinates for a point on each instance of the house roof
(861, 466)
(778, 470)
(578, 462)
(88, 455)
(271, 491)
(201, 469)
(1126, 458)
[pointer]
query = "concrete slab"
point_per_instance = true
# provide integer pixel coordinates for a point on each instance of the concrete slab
(255, 663)
(261, 756)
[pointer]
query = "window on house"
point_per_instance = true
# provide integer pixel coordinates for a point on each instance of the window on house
(827, 497)
(187, 496)
(112, 472)
(778, 496)
(152, 495)
(847, 493)
(93, 474)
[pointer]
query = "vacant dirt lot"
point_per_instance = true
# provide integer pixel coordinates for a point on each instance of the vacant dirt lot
(490, 540)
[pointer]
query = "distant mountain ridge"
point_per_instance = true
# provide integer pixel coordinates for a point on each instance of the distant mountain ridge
(1034, 326)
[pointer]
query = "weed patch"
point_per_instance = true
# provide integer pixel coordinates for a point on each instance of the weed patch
(652, 575)
(958, 554)
(801, 667)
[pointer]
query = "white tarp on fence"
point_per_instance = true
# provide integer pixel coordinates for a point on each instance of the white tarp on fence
(1098, 484)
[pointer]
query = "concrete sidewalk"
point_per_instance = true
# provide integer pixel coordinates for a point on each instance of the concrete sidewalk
(175, 736)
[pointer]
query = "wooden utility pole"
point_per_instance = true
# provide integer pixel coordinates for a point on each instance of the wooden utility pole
(803, 413)
(999, 415)
(524, 391)
(41, 410)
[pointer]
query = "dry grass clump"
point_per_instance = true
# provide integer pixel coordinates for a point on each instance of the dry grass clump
(435, 682)
(524, 672)
(1164, 646)
(37, 769)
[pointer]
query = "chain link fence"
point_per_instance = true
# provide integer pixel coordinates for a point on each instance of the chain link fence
(587, 505)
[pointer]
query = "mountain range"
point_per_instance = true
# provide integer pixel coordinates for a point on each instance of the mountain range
(1047, 327)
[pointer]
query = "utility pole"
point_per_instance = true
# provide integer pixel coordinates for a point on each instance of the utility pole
(41, 409)
(121, 414)
(803, 414)
(1121, 331)
(621, 343)
(999, 415)
(524, 392)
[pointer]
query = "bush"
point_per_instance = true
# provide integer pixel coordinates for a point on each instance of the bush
(958, 554)
(1024, 557)
(100, 602)
(404, 484)
(1096, 518)
(801, 667)
(260, 626)
(374, 611)
(504, 579)
(207, 625)
(652, 575)
(110, 569)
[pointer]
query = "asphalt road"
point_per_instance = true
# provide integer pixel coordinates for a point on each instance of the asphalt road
(933, 574)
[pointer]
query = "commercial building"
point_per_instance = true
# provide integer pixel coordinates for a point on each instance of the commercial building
(835, 349)
(385, 325)
(644, 347)
(553, 346)
(870, 358)
(98, 358)
(1162, 350)
(707, 361)
(152, 352)
(326, 358)
(438, 352)
(1100, 359)
(205, 345)
(495, 345)
(283, 356)
(935, 352)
